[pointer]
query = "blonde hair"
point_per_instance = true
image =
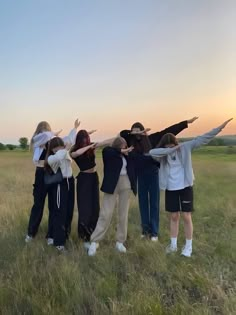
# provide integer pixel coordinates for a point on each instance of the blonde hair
(118, 142)
(42, 126)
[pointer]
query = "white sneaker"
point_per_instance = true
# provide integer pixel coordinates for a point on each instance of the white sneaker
(61, 248)
(120, 247)
(186, 251)
(154, 238)
(92, 249)
(171, 249)
(50, 241)
(86, 245)
(28, 238)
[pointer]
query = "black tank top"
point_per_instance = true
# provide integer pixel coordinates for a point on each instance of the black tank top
(43, 154)
(85, 161)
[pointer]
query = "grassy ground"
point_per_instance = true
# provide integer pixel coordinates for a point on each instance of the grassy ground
(35, 279)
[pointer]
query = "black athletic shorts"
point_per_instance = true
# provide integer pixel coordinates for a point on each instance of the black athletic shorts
(179, 200)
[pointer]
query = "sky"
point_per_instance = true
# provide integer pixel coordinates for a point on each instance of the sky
(112, 63)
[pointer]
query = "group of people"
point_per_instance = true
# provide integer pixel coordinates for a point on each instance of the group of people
(134, 162)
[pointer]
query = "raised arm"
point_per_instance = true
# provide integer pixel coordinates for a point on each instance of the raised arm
(207, 137)
(69, 140)
(175, 129)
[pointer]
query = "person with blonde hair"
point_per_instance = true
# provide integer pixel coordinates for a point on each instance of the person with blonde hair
(118, 181)
(38, 143)
(176, 179)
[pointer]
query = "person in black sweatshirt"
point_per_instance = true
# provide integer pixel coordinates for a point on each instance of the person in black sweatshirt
(118, 182)
(147, 172)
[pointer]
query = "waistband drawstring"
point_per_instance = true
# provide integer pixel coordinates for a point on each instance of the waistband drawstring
(58, 195)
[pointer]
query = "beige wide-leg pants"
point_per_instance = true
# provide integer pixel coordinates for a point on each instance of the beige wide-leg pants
(122, 190)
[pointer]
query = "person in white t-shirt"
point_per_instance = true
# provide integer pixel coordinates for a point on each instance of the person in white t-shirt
(176, 178)
(38, 143)
(58, 159)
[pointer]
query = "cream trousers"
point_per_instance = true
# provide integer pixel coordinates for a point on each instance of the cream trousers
(122, 191)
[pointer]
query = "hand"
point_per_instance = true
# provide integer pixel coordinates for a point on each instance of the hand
(57, 133)
(94, 145)
(226, 122)
(92, 131)
(191, 120)
(127, 150)
(67, 146)
(76, 124)
(140, 132)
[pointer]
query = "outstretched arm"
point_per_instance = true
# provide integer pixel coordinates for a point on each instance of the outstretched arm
(207, 137)
(104, 142)
(175, 129)
(82, 150)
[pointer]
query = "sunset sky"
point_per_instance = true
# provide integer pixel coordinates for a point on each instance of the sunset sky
(114, 62)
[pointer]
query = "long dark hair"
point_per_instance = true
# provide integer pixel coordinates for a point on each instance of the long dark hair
(82, 140)
(141, 143)
(52, 144)
(167, 139)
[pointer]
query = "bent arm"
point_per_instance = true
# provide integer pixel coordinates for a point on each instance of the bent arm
(57, 157)
(160, 152)
(81, 151)
(42, 138)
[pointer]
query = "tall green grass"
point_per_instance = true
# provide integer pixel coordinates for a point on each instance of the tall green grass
(35, 279)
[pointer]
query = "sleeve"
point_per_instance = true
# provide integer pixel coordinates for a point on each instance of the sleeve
(160, 152)
(203, 139)
(42, 138)
(70, 138)
(55, 159)
(109, 152)
(175, 129)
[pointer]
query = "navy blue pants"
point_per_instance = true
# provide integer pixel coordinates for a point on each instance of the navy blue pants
(149, 200)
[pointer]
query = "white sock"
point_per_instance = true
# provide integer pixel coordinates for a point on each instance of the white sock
(188, 243)
(173, 241)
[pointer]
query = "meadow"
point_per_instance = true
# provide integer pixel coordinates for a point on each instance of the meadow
(35, 279)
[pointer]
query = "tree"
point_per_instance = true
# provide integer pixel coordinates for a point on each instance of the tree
(23, 143)
(2, 146)
(10, 146)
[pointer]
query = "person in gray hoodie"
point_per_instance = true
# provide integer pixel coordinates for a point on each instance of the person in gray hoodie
(176, 178)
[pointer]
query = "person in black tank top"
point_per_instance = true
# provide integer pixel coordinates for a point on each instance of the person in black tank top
(87, 188)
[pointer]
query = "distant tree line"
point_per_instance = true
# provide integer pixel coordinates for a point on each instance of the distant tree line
(23, 145)
(218, 141)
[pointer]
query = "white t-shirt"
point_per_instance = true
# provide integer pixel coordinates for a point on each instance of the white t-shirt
(176, 172)
(123, 170)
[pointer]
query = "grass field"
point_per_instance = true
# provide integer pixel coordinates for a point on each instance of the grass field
(35, 279)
